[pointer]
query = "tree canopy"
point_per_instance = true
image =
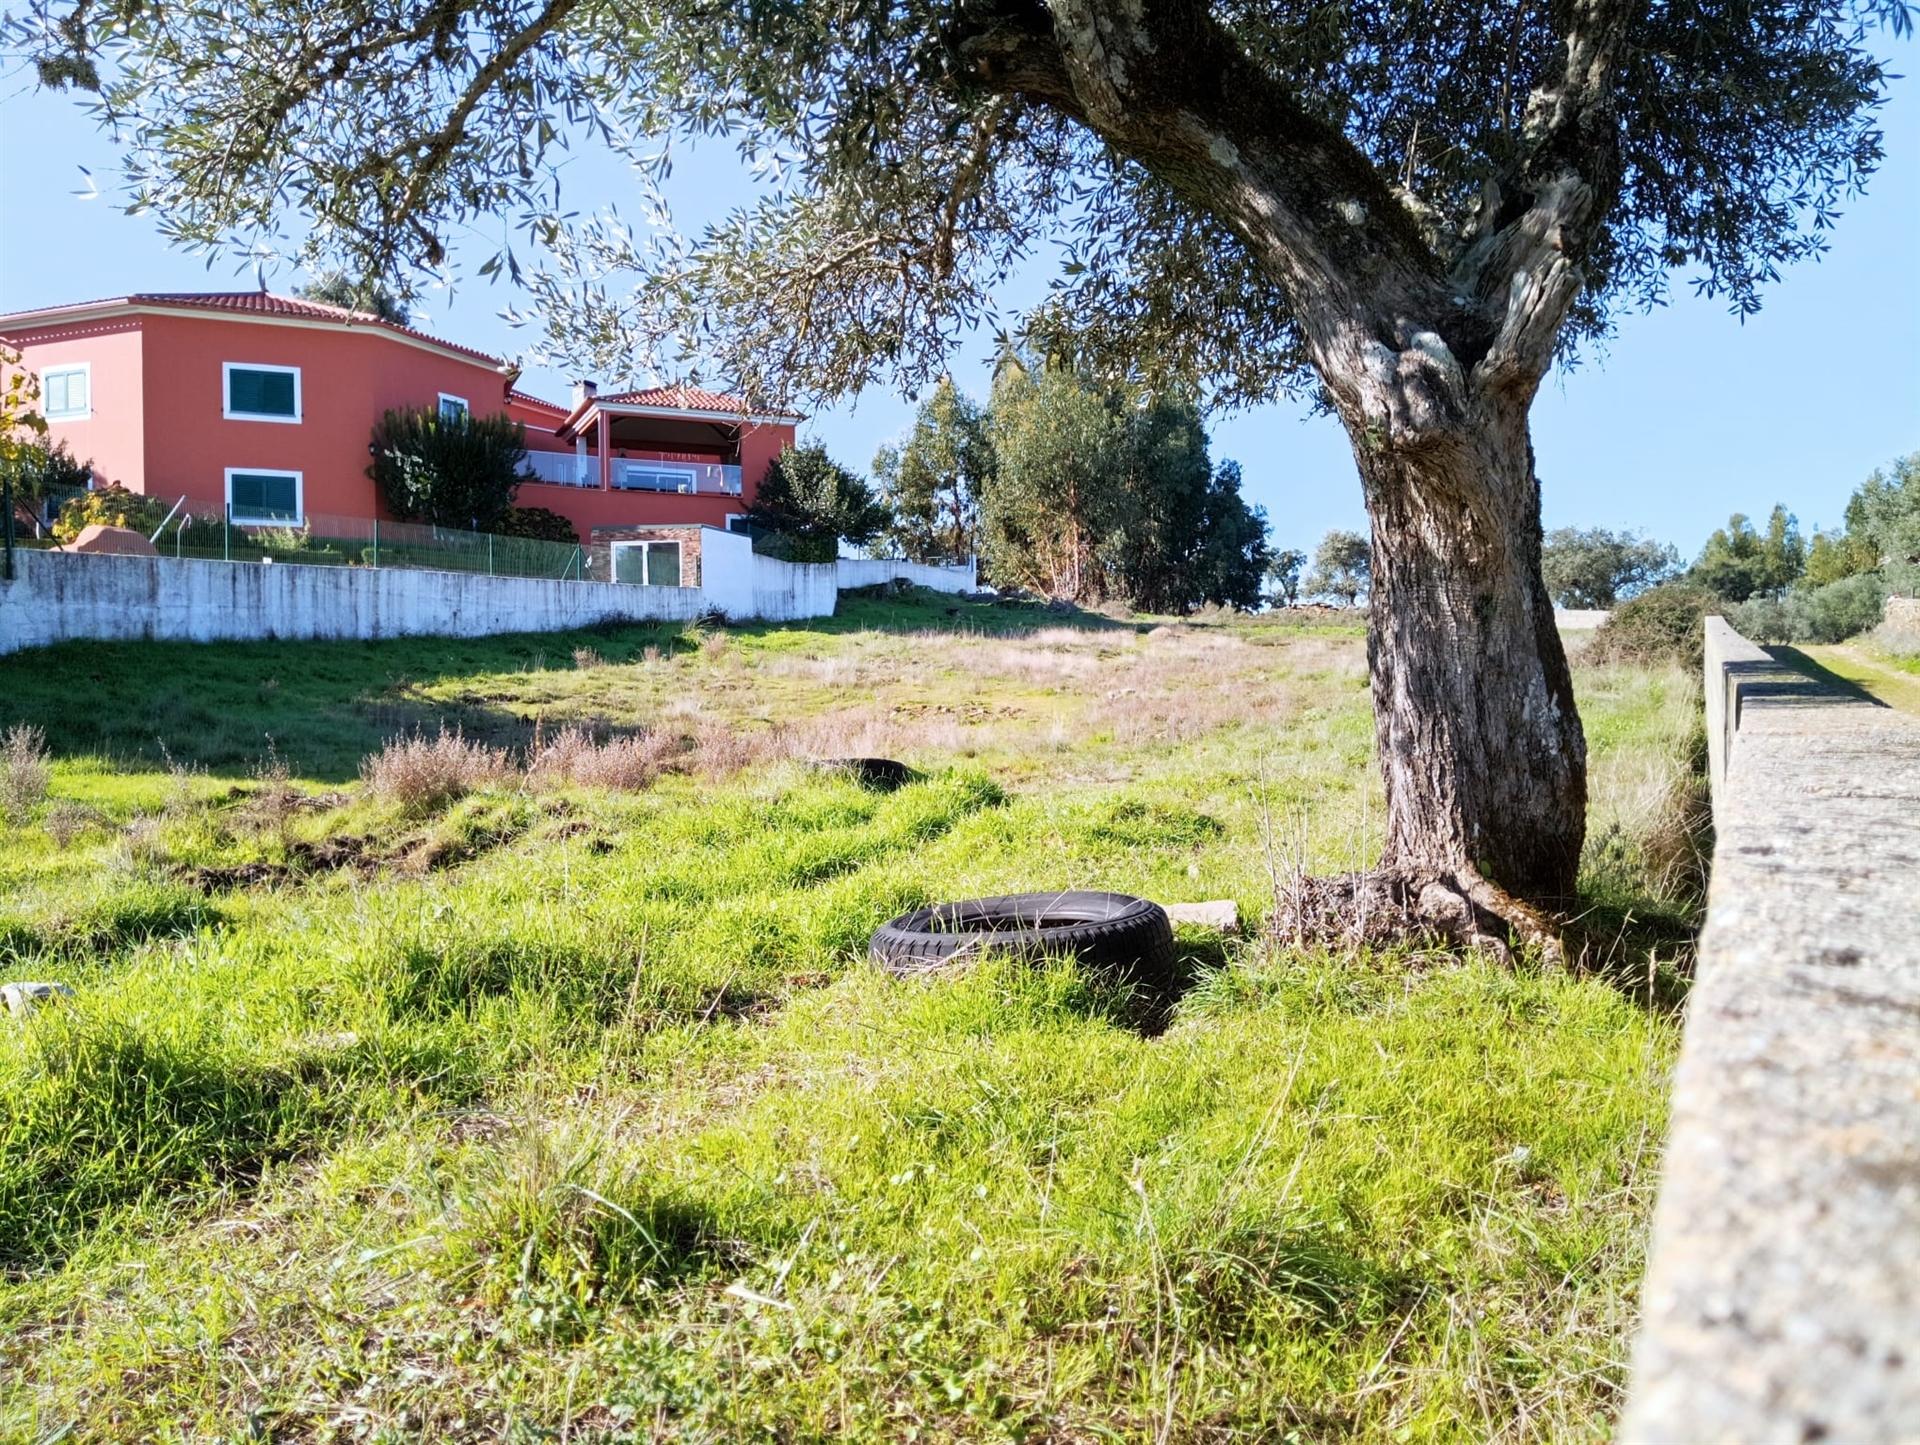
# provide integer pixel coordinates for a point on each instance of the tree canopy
(808, 504)
(1342, 568)
(910, 155)
(336, 288)
(1884, 514)
(454, 471)
(1096, 493)
(1739, 562)
(1283, 570)
(1592, 567)
(932, 482)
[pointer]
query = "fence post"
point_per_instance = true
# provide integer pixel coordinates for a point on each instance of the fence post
(226, 533)
(489, 554)
(6, 502)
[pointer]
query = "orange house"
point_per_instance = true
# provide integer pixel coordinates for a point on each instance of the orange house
(263, 407)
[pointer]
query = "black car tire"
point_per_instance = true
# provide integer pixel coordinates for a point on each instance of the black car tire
(881, 774)
(1127, 937)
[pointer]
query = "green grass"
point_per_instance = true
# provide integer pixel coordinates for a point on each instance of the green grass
(577, 1114)
(1865, 669)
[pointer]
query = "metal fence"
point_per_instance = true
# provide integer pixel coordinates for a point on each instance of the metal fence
(321, 540)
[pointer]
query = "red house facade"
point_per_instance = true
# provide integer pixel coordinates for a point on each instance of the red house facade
(263, 407)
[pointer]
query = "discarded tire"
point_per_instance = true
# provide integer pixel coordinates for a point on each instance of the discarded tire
(1112, 932)
(883, 774)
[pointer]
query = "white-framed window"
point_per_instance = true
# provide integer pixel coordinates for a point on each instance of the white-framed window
(452, 408)
(648, 476)
(651, 564)
(66, 392)
(255, 391)
(737, 522)
(265, 497)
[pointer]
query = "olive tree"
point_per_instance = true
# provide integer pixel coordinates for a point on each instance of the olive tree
(1405, 210)
(1592, 567)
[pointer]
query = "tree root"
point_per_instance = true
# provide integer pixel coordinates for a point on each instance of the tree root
(1426, 907)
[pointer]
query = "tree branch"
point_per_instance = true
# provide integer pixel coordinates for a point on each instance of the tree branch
(1524, 252)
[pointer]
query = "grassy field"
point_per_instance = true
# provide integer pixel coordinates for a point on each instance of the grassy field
(545, 1094)
(1890, 679)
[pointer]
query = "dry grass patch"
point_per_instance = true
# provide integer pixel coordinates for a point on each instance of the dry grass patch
(421, 772)
(25, 772)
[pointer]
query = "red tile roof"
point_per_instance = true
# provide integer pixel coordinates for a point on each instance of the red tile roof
(678, 397)
(527, 398)
(259, 303)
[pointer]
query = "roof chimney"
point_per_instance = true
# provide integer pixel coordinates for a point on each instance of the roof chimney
(584, 391)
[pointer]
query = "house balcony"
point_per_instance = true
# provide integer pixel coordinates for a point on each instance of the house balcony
(563, 469)
(642, 473)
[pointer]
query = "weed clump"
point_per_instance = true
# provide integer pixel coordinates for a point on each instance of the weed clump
(574, 757)
(421, 772)
(24, 772)
(64, 822)
(1662, 624)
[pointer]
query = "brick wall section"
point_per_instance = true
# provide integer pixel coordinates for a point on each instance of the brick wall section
(687, 537)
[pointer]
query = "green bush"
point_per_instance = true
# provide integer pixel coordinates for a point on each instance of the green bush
(1662, 623)
(540, 524)
(808, 504)
(35, 470)
(795, 546)
(111, 506)
(452, 471)
(1831, 613)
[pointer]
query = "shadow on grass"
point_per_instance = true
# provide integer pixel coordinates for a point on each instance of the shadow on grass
(1645, 949)
(1796, 659)
(323, 706)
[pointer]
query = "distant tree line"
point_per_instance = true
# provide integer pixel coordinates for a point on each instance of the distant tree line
(1773, 583)
(1829, 587)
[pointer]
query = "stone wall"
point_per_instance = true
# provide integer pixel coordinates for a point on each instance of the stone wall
(1782, 1299)
(1903, 614)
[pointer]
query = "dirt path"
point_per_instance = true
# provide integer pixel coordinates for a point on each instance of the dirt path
(1888, 684)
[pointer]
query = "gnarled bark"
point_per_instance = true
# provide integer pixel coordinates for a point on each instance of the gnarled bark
(1480, 743)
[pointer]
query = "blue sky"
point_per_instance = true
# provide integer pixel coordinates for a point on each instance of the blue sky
(1688, 416)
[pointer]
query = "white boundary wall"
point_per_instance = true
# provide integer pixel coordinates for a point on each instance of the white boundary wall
(872, 571)
(1782, 1299)
(61, 597)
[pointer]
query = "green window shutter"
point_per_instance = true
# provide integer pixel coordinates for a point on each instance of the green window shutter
(265, 495)
(261, 393)
(663, 564)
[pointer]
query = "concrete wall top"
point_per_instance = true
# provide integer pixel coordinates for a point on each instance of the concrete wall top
(1782, 1300)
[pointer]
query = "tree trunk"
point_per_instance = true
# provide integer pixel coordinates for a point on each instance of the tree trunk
(1480, 744)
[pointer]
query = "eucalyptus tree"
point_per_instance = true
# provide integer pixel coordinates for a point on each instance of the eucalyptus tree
(1407, 210)
(933, 480)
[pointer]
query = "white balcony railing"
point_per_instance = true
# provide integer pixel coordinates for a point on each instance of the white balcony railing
(637, 474)
(657, 474)
(563, 469)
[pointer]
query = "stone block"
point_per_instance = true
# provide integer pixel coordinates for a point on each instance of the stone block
(1220, 914)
